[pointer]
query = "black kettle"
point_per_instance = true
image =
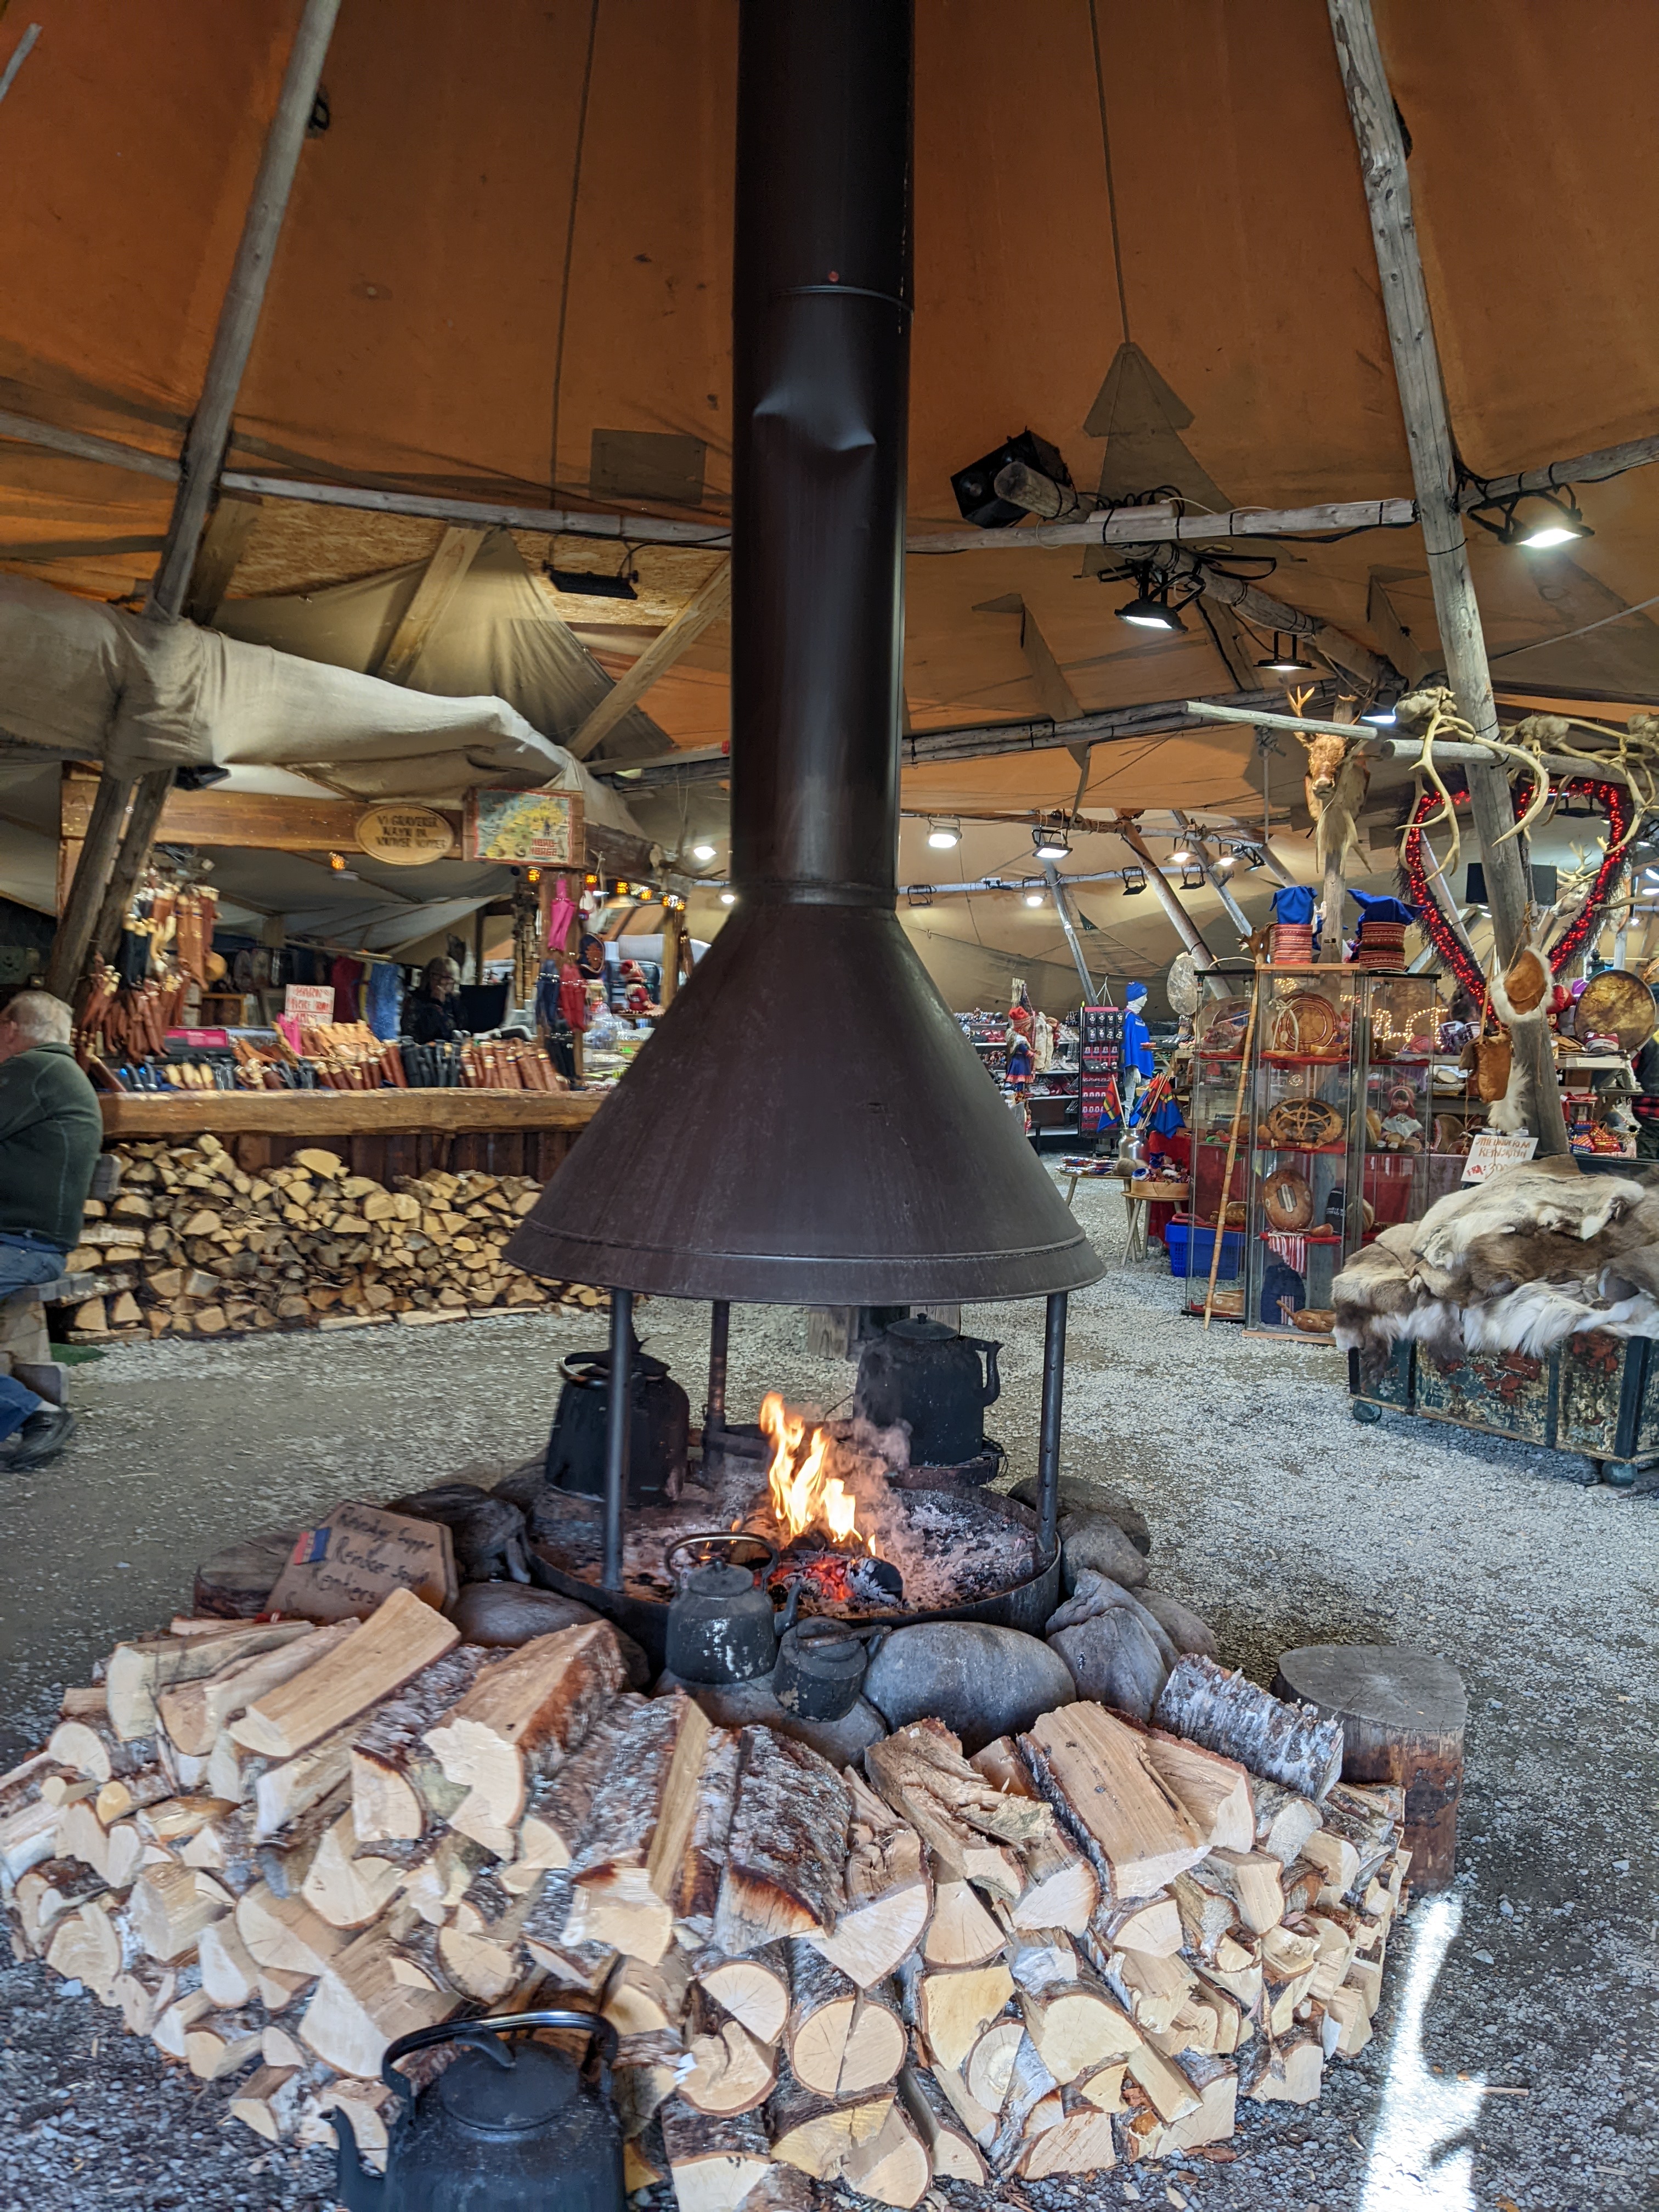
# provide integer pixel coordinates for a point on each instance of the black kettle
(658, 1435)
(926, 1374)
(500, 2130)
(721, 1626)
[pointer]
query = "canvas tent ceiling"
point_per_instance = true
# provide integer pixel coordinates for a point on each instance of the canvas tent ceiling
(505, 275)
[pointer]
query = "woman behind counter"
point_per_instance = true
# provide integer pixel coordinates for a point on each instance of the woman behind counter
(426, 1016)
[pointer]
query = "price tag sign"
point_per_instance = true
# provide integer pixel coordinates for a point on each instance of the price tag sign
(1491, 1151)
(310, 1004)
(345, 1567)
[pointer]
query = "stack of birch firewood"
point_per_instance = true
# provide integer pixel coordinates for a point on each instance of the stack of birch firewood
(214, 1249)
(275, 1847)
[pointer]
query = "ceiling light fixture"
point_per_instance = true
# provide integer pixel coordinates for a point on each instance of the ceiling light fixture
(1150, 609)
(1381, 713)
(703, 852)
(1135, 881)
(728, 899)
(1285, 661)
(1034, 898)
(942, 835)
(1192, 879)
(585, 584)
(1559, 524)
(1182, 857)
(1051, 844)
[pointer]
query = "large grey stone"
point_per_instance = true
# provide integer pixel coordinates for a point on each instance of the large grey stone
(1112, 1657)
(1079, 1493)
(1089, 1539)
(1183, 1628)
(1097, 1594)
(512, 1613)
(982, 1681)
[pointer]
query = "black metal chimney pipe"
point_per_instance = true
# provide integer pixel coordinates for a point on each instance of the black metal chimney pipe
(822, 371)
(809, 1126)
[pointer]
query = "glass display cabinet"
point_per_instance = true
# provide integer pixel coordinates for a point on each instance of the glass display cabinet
(1220, 1026)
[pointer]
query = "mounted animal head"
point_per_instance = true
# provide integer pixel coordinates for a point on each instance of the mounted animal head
(1325, 758)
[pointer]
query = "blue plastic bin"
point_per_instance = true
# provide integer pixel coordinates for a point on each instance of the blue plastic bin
(1192, 1243)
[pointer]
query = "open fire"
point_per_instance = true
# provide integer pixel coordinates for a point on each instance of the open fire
(805, 1494)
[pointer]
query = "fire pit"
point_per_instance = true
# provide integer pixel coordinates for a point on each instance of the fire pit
(856, 1536)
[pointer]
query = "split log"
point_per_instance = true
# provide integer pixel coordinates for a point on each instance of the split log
(697, 1894)
(1030, 2085)
(1402, 1714)
(716, 2163)
(138, 1670)
(396, 1640)
(283, 1792)
(1215, 1792)
(269, 2102)
(192, 1713)
(144, 1993)
(85, 1946)
(1284, 1821)
(731, 2072)
(1062, 1890)
(818, 2136)
(1155, 1989)
(1151, 1924)
(171, 1905)
(26, 1836)
(786, 1850)
(842, 2041)
(633, 1849)
(642, 2000)
(1096, 1773)
(230, 1974)
(397, 1784)
(1167, 2089)
(989, 2068)
(283, 1934)
(1287, 2071)
(891, 2167)
(347, 1887)
(965, 1822)
(1082, 2143)
(173, 2025)
(45, 1892)
(1253, 1881)
(889, 1890)
(1077, 2029)
(961, 1932)
(1224, 1713)
(524, 1716)
(953, 2009)
(221, 2043)
(92, 1749)
(753, 1990)
(952, 2154)
(360, 2006)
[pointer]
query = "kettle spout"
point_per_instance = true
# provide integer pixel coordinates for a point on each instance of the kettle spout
(354, 2186)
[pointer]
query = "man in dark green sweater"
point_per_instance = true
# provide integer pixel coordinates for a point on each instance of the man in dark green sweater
(51, 1134)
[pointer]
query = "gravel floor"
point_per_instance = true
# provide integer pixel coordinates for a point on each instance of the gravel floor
(1272, 1513)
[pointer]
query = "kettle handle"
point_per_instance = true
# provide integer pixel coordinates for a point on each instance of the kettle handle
(993, 1380)
(482, 2032)
(727, 1538)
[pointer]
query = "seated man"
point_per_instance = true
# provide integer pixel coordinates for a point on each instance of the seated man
(51, 1135)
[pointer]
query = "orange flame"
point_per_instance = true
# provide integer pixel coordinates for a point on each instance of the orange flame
(802, 1494)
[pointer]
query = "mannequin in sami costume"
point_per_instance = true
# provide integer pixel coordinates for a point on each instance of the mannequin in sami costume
(1168, 1155)
(637, 996)
(1139, 1066)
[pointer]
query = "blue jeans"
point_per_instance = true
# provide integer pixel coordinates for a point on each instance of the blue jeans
(23, 1261)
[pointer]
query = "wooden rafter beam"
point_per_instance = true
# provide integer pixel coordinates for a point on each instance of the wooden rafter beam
(708, 604)
(454, 554)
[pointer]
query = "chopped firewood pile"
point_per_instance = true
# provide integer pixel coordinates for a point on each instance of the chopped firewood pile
(274, 1847)
(215, 1250)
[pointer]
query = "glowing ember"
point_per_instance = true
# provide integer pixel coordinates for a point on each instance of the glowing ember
(803, 1496)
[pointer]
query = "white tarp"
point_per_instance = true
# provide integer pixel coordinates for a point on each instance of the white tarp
(88, 681)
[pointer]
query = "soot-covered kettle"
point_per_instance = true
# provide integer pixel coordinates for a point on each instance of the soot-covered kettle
(503, 2128)
(925, 1373)
(721, 1626)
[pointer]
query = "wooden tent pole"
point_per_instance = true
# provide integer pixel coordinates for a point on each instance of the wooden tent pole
(1220, 1237)
(1185, 927)
(106, 875)
(1434, 474)
(79, 918)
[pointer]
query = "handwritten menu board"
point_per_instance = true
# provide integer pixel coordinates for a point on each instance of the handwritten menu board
(345, 1566)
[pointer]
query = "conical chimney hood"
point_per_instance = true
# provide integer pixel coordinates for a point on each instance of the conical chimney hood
(809, 1125)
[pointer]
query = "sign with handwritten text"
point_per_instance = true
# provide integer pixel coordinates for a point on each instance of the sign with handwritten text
(1492, 1151)
(345, 1566)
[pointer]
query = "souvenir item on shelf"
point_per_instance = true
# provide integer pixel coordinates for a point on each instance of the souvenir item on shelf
(1314, 1320)
(1224, 1030)
(1525, 980)
(1309, 1124)
(1616, 1004)
(1307, 1023)
(1286, 1200)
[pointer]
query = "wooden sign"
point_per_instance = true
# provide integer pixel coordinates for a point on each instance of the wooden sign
(405, 837)
(310, 1004)
(543, 829)
(348, 1565)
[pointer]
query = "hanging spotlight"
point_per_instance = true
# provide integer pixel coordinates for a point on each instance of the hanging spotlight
(728, 899)
(1285, 661)
(1192, 879)
(1034, 898)
(1559, 524)
(703, 852)
(1182, 857)
(1227, 860)
(1135, 881)
(942, 835)
(1381, 713)
(1051, 844)
(1150, 609)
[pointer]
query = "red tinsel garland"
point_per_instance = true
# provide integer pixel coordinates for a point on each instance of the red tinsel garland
(1418, 887)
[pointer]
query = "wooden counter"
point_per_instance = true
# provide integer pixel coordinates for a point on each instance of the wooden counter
(385, 1133)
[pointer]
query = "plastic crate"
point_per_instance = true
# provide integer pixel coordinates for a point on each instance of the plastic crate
(1192, 1245)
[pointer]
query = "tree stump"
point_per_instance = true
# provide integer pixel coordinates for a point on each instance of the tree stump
(1403, 1713)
